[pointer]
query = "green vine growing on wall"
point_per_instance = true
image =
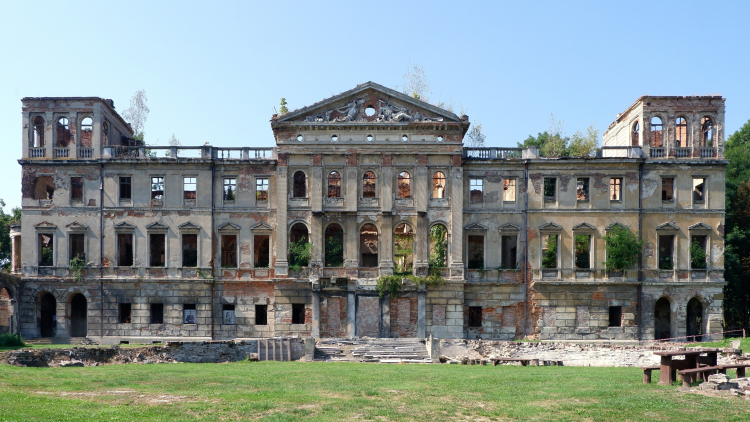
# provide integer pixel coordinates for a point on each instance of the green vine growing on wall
(76, 266)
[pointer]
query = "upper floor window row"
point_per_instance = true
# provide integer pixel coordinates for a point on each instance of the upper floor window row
(476, 190)
(369, 185)
(63, 134)
(682, 133)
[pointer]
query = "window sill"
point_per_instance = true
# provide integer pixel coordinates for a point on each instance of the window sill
(615, 201)
(125, 203)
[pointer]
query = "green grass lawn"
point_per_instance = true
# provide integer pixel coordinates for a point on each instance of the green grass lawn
(744, 343)
(276, 391)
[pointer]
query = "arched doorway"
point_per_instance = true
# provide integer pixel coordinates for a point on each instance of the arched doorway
(47, 322)
(662, 319)
(6, 311)
(695, 320)
(78, 316)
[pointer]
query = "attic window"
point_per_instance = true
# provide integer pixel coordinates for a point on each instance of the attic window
(334, 138)
(300, 138)
(404, 138)
(87, 130)
(440, 138)
(370, 111)
(369, 138)
(38, 132)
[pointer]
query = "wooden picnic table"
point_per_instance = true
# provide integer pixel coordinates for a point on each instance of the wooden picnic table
(693, 359)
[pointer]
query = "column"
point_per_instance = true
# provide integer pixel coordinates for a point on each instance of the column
(421, 312)
(281, 217)
(316, 311)
(385, 312)
(456, 236)
(351, 312)
(385, 250)
(49, 134)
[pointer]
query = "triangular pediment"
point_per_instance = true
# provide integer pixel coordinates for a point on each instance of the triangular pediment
(550, 226)
(124, 226)
(699, 226)
(156, 226)
(76, 226)
(584, 226)
(475, 226)
(45, 225)
(229, 226)
(613, 225)
(261, 226)
(188, 226)
(388, 106)
(671, 225)
(509, 227)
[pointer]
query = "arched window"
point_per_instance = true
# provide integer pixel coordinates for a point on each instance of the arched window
(334, 185)
(680, 132)
(438, 246)
(368, 185)
(105, 133)
(662, 319)
(87, 130)
(368, 246)
(299, 189)
(334, 246)
(438, 185)
(63, 132)
(635, 135)
(403, 248)
(404, 185)
(298, 233)
(38, 132)
(707, 132)
(656, 134)
(299, 246)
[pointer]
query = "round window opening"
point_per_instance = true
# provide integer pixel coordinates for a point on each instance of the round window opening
(334, 138)
(440, 138)
(369, 138)
(370, 111)
(404, 138)
(300, 138)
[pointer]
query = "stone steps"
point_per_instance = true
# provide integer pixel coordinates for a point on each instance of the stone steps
(375, 350)
(58, 340)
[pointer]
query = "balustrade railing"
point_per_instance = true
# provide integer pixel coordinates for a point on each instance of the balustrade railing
(680, 152)
(60, 152)
(37, 152)
(707, 152)
(85, 152)
(493, 153)
(658, 152)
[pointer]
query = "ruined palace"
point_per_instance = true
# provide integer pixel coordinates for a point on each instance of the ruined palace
(122, 241)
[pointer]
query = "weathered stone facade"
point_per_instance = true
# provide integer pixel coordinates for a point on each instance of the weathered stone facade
(192, 242)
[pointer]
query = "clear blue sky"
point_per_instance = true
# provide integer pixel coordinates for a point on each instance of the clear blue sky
(213, 71)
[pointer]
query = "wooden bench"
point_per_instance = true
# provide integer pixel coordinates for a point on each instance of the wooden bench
(739, 367)
(647, 373)
(524, 362)
(690, 375)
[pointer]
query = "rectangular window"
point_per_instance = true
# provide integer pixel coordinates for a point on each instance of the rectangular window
(46, 250)
(549, 252)
(582, 189)
(476, 252)
(261, 250)
(157, 313)
(188, 313)
(509, 190)
(615, 316)
(476, 190)
(157, 188)
(615, 189)
(76, 188)
(125, 249)
(230, 188)
(475, 317)
(667, 189)
(125, 315)
(261, 189)
(188, 188)
(189, 250)
(77, 241)
(298, 313)
(228, 251)
(125, 189)
(583, 251)
(508, 254)
(698, 190)
(261, 314)
(227, 313)
(550, 189)
(666, 244)
(698, 256)
(157, 249)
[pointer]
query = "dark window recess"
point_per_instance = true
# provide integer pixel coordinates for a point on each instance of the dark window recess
(77, 246)
(124, 249)
(508, 257)
(698, 190)
(44, 188)
(667, 188)
(666, 243)
(615, 316)
(125, 189)
(189, 250)
(334, 246)
(76, 188)
(550, 188)
(261, 314)
(188, 313)
(582, 189)
(404, 185)
(125, 317)
(229, 251)
(583, 251)
(368, 185)
(46, 250)
(334, 185)
(157, 250)
(261, 250)
(227, 313)
(368, 246)
(230, 189)
(299, 188)
(298, 313)
(157, 313)
(475, 316)
(476, 252)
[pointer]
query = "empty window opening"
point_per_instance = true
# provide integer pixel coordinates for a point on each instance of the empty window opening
(44, 188)
(550, 188)
(475, 247)
(125, 249)
(681, 132)
(157, 249)
(261, 250)
(105, 133)
(667, 189)
(87, 131)
(334, 246)
(157, 313)
(698, 191)
(656, 133)
(261, 189)
(438, 246)
(582, 189)
(227, 314)
(370, 111)
(46, 250)
(666, 246)
(404, 138)
(334, 185)
(188, 188)
(370, 138)
(662, 319)
(368, 246)
(475, 317)
(188, 314)
(38, 132)
(476, 189)
(78, 316)
(157, 188)
(299, 246)
(334, 138)
(635, 136)
(77, 242)
(404, 185)
(76, 189)
(230, 188)
(583, 251)
(403, 248)
(368, 185)
(707, 132)
(509, 190)
(48, 311)
(125, 186)
(229, 251)
(698, 255)
(549, 252)
(125, 313)
(615, 316)
(694, 320)
(299, 188)
(189, 250)
(615, 189)
(298, 313)
(508, 252)
(63, 133)
(438, 185)
(261, 314)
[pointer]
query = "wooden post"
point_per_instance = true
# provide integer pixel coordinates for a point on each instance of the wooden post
(289, 349)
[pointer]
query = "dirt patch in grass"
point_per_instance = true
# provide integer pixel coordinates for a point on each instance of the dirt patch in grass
(123, 397)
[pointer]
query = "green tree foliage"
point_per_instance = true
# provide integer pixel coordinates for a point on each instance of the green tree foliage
(283, 109)
(438, 247)
(554, 143)
(549, 254)
(334, 251)
(299, 254)
(697, 256)
(5, 244)
(622, 247)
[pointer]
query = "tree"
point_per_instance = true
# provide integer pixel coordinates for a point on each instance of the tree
(5, 244)
(554, 143)
(416, 83)
(283, 109)
(584, 145)
(475, 137)
(622, 247)
(137, 113)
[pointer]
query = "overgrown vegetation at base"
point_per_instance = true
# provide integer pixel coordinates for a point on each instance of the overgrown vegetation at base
(622, 247)
(11, 340)
(276, 391)
(299, 254)
(437, 261)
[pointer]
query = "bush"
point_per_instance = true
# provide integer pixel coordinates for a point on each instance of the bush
(622, 248)
(299, 254)
(697, 256)
(11, 340)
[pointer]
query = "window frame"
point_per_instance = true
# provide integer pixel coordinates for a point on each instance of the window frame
(232, 185)
(195, 233)
(166, 252)
(263, 181)
(337, 189)
(360, 257)
(374, 185)
(471, 317)
(515, 189)
(40, 247)
(304, 182)
(587, 186)
(70, 244)
(236, 249)
(125, 313)
(677, 126)
(399, 178)
(224, 314)
(151, 319)
(435, 182)
(673, 193)
(618, 314)
(256, 313)
(189, 307)
(545, 197)
(82, 199)
(618, 181)
(476, 181)
(483, 236)
(130, 232)
(153, 191)
(704, 193)
(185, 183)
(120, 198)
(296, 313)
